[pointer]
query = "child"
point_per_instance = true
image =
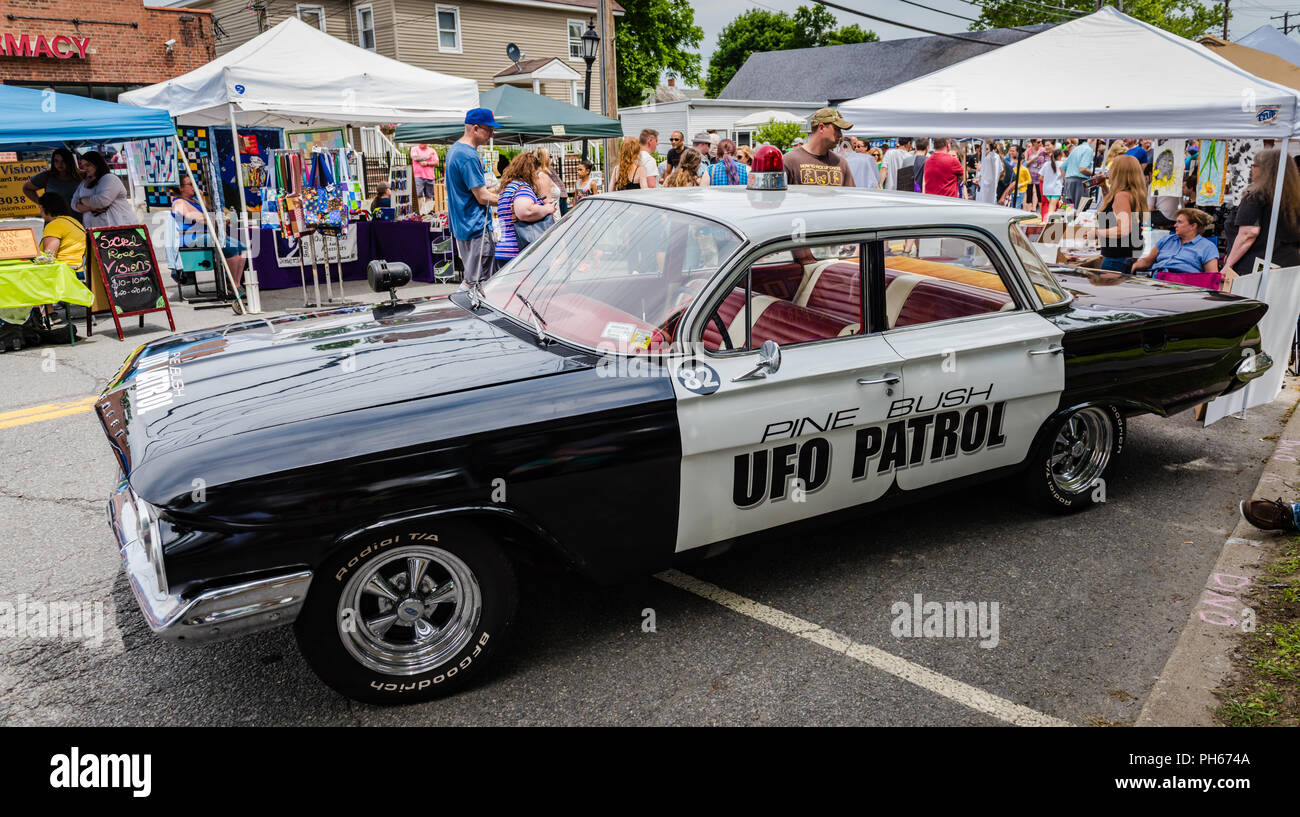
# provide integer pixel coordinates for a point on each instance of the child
(586, 185)
(1053, 177)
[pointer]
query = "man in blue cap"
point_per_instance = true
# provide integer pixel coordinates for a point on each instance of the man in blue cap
(468, 198)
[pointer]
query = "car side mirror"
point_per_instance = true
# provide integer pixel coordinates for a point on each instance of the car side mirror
(769, 362)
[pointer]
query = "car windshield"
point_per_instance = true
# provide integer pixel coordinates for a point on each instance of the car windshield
(613, 275)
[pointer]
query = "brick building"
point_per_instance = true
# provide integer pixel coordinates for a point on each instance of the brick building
(102, 48)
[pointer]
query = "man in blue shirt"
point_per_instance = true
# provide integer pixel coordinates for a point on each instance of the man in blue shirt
(1185, 250)
(468, 198)
(1142, 152)
(1078, 169)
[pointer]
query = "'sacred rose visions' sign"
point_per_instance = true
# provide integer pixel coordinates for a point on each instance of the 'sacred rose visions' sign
(39, 45)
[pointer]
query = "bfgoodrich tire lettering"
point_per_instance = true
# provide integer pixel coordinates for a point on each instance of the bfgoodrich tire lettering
(1072, 457)
(409, 614)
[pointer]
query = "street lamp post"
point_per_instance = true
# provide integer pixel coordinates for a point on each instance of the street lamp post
(590, 47)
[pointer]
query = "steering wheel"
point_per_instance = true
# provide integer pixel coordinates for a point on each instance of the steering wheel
(669, 326)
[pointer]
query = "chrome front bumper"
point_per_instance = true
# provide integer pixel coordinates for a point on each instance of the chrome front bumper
(214, 614)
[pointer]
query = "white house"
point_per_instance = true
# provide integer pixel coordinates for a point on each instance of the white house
(729, 118)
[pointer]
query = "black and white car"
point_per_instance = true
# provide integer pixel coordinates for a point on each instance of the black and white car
(663, 374)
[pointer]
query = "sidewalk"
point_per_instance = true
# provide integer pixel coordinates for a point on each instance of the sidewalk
(1202, 659)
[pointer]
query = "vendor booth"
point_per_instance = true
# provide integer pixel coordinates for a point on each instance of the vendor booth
(311, 86)
(526, 119)
(1200, 95)
(38, 118)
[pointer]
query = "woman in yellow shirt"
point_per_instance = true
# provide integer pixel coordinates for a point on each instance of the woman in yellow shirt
(1020, 189)
(64, 237)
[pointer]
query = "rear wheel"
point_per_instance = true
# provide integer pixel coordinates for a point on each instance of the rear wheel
(1066, 470)
(408, 615)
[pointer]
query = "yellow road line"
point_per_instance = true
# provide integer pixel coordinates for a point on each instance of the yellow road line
(50, 411)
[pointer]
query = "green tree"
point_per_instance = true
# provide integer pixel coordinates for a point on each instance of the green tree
(651, 36)
(759, 30)
(780, 134)
(1186, 18)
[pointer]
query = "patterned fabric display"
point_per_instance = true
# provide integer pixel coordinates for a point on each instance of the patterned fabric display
(324, 207)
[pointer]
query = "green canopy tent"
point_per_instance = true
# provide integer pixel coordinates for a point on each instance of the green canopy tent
(526, 119)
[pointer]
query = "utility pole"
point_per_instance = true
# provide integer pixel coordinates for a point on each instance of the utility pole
(1286, 22)
(608, 86)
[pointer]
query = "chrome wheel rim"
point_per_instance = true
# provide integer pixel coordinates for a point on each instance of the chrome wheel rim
(409, 611)
(1081, 450)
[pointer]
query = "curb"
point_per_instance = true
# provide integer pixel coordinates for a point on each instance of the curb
(1202, 658)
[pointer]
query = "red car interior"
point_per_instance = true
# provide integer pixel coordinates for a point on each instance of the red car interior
(825, 300)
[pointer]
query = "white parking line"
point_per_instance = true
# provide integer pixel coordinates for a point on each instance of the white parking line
(950, 688)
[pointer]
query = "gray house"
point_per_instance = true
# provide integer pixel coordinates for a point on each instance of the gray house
(841, 72)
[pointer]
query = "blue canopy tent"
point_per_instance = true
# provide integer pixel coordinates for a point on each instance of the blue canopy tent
(35, 117)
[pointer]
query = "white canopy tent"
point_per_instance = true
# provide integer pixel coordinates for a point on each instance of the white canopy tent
(1119, 77)
(1267, 38)
(760, 118)
(295, 75)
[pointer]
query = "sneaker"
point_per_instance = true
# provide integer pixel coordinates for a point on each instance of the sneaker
(1268, 514)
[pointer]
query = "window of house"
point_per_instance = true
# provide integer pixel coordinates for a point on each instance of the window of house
(799, 295)
(313, 16)
(576, 29)
(579, 96)
(366, 27)
(449, 29)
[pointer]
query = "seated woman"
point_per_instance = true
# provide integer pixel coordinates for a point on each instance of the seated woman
(194, 232)
(64, 238)
(1186, 250)
(381, 199)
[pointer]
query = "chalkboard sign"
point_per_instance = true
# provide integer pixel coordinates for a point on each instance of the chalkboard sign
(126, 263)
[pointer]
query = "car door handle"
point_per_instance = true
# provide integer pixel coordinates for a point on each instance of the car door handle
(1050, 350)
(891, 379)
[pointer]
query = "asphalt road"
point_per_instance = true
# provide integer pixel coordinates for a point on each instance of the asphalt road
(1090, 605)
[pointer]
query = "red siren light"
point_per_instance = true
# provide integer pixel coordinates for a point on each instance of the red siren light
(767, 169)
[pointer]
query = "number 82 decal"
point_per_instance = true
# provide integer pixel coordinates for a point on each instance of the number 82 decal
(697, 376)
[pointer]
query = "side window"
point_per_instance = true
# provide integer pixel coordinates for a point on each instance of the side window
(937, 278)
(797, 295)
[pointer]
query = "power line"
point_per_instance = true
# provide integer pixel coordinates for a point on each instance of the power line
(1069, 14)
(902, 25)
(958, 16)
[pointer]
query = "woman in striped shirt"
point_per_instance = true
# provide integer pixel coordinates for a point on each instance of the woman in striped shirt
(518, 201)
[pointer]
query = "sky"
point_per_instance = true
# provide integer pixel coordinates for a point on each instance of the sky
(713, 15)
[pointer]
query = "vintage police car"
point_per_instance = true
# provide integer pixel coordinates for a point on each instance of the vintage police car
(663, 374)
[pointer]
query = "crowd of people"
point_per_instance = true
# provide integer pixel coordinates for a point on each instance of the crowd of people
(1113, 179)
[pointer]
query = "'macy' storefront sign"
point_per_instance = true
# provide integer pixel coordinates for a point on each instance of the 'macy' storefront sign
(40, 45)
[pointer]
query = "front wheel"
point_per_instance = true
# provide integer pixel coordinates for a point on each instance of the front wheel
(1066, 470)
(408, 615)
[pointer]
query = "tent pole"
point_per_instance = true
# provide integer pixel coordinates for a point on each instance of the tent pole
(1282, 159)
(250, 272)
(1015, 178)
(1262, 291)
(182, 161)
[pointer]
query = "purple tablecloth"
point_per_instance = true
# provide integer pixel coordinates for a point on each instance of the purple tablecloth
(405, 241)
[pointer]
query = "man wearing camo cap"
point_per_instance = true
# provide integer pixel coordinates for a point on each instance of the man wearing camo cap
(814, 162)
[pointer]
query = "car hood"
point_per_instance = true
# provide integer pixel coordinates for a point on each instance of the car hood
(1107, 298)
(181, 400)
